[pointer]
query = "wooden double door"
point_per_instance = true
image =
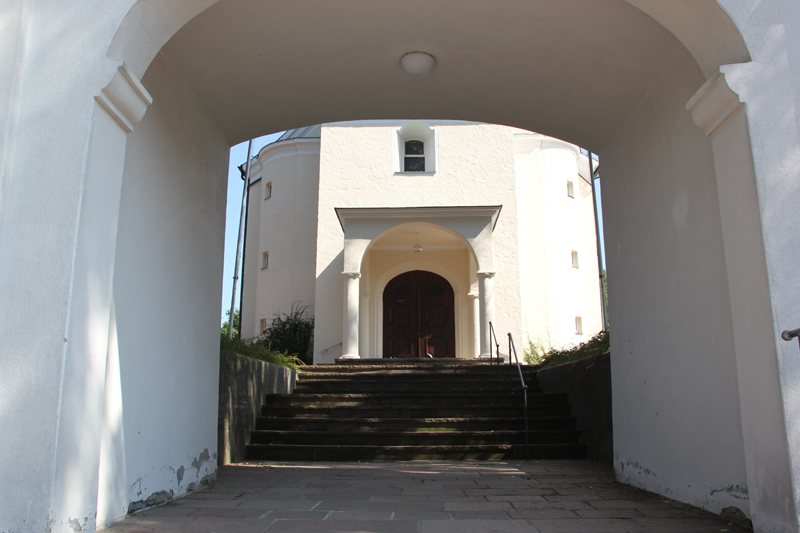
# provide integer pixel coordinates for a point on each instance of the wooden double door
(419, 316)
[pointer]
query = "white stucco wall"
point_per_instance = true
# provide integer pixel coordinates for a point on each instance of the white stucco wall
(252, 261)
(475, 167)
(677, 426)
(288, 229)
(552, 225)
(160, 429)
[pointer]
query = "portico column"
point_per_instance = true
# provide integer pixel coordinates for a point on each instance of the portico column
(475, 339)
(486, 305)
(350, 315)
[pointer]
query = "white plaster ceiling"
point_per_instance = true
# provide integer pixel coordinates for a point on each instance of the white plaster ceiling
(573, 69)
(405, 236)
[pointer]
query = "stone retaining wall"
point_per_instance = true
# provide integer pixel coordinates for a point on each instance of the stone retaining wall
(243, 384)
(588, 384)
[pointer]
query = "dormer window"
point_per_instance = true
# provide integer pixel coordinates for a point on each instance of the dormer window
(414, 160)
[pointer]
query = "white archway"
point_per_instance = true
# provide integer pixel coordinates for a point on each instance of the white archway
(79, 244)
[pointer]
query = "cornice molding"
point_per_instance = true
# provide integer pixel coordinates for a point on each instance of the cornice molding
(298, 146)
(713, 104)
(125, 99)
(409, 213)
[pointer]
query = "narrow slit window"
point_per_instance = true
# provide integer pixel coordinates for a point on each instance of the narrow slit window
(264, 260)
(268, 190)
(574, 259)
(263, 324)
(414, 160)
(570, 189)
(578, 326)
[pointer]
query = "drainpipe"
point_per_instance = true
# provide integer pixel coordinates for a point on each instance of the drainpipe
(239, 243)
(603, 303)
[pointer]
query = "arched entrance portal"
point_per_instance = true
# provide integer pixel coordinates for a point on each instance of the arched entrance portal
(418, 316)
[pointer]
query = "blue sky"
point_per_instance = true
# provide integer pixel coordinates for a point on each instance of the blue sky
(235, 185)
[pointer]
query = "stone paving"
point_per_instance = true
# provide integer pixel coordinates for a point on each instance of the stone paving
(422, 497)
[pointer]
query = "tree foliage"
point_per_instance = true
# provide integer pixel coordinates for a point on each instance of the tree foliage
(227, 324)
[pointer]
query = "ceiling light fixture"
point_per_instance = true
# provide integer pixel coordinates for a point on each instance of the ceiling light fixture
(417, 247)
(417, 63)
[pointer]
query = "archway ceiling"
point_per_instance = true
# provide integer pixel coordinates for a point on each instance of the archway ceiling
(573, 69)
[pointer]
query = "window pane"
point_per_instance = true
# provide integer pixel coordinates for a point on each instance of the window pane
(415, 148)
(414, 164)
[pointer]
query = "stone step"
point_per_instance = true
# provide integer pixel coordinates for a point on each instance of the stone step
(414, 411)
(413, 438)
(410, 384)
(405, 410)
(367, 425)
(444, 399)
(281, 452)
(414, 370)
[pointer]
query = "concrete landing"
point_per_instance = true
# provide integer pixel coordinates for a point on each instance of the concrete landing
(423, 497)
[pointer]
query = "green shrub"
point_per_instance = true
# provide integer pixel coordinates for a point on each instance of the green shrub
(290, 333)
(597, 345)
(248, 348)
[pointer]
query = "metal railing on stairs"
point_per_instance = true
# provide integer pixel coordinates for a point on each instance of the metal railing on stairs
(512, 349)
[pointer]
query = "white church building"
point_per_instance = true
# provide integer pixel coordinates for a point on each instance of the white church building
(407, 238)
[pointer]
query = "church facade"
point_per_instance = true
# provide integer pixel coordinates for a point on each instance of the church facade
(408, 238)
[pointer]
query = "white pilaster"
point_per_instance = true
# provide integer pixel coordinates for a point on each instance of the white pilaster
(77, 454)
(350, 315)
(769, 457)
(486, 309)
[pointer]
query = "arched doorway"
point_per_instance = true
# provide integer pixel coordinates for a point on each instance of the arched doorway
(418, 316)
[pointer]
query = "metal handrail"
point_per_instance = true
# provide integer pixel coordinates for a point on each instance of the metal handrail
(513, 349)
(323, 352)
(497, 349)
(497, 343)
(790, 334)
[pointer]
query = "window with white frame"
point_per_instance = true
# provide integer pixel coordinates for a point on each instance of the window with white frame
(570, 189)
(415, 149)
(578, 326)
(267, 190)
(574, 259)
(264, 260)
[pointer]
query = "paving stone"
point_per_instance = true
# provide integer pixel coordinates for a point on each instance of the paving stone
(506, 496)
(476, 526)
(480, 515)
(590, 526)
(363, 515)
(344, 526)
(688, 525)
(223, 525)
(266, 504)
(477, 506)
(608, 513)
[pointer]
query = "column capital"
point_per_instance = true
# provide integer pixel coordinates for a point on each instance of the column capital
(713, 104)
(351, 274)
(125, 99)
(486, 273)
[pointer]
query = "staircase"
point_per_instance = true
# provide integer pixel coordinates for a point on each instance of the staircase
(406, 410)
